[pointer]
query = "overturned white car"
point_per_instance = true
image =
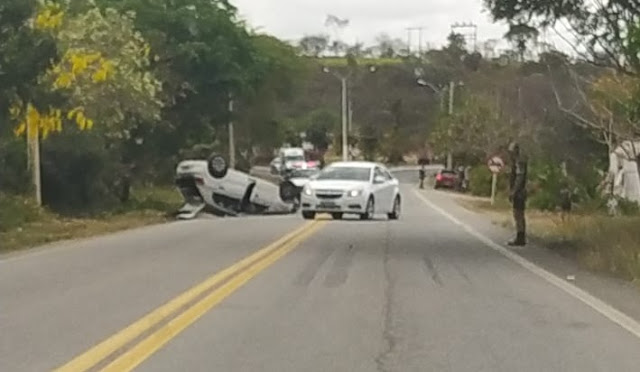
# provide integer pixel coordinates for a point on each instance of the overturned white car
(211, 186)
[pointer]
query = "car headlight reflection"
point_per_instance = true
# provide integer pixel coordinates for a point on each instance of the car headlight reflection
(354, 193)
(307, 191)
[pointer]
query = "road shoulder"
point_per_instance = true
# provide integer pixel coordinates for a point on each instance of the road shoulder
(622, 295)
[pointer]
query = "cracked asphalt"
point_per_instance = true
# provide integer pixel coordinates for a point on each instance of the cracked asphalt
(419, 294)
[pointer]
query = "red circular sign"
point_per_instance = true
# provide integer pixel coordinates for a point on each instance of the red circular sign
(496, 164)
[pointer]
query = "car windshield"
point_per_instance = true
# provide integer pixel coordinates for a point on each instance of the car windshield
(345, 173)
(294, 158)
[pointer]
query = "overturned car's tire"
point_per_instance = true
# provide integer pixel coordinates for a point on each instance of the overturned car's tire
(217, 166)
(289, 192)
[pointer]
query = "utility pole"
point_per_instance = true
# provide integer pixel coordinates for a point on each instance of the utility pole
(345, 118)
(33, 141)
(410, 31)
(452, 87)
(232, 142)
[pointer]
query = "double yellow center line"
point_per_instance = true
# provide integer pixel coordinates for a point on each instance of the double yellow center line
(220, 286)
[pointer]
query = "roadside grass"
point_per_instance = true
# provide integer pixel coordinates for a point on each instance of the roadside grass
(24, 225)
(597, 241)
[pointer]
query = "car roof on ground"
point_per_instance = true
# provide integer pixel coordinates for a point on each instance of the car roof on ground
(355, 164)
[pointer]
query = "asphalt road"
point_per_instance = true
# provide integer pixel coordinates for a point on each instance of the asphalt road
(427, 293)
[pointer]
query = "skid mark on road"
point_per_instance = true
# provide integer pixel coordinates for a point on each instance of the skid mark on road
(462, 273)
(431, 270)
(310, 271)
(340, 268)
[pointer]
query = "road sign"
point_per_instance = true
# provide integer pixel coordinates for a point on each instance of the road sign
(496, 164)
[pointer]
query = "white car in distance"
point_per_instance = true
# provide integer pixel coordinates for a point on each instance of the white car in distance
(360, 188)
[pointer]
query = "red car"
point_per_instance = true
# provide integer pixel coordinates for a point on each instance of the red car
(446, 178)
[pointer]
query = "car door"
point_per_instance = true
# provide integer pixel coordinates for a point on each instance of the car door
(381, 190)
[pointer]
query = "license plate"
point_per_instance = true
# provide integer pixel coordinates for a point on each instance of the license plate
(328, 205)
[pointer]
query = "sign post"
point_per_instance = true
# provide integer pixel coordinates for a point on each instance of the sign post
(496, 164)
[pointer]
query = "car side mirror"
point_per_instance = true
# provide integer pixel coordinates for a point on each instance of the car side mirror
(379, 180)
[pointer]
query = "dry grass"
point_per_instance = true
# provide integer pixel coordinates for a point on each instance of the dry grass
(148, 206)
(56, 229)
(598, 242)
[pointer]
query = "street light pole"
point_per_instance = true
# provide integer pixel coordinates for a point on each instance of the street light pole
(347, 109)
(452, 88)
(345, 134)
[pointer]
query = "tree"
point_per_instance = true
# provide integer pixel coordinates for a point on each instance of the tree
(476, 129)
(600, 103)
(520, 35)
(204, 55)
(387, 47)
(314, 45)
(456, 43)
(605, 33)
(101, 74)
(260, 115)
(321, 124)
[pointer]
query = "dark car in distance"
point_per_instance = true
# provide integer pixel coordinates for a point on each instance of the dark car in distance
(446, 179)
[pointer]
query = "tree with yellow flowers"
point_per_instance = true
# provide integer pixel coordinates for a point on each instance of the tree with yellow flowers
(102, 74)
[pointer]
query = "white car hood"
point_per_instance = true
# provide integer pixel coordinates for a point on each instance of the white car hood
(337, 185)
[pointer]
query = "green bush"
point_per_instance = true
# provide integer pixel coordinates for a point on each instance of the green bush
(16, 211)
(14, 176)
(546, 183)
(480, 181)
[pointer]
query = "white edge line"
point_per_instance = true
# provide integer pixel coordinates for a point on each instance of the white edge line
(616, 316)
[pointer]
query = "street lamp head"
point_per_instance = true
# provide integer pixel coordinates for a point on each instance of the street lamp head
(325, 69)
(373, 69)
(422, 82)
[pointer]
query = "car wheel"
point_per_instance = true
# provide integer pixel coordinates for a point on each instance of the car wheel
(308, 215)
(217, 166)
(397, 207)
(336, 216)
(369, 211)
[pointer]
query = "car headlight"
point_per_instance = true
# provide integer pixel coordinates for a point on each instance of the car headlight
(307, 191)
(354, 193)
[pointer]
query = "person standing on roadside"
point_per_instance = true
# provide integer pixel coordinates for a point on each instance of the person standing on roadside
(518, 193)
(422, 175)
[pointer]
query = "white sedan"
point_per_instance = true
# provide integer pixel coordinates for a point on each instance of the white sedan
(361, 188)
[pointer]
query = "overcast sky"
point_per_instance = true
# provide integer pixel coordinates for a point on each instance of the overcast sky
(293, 19)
